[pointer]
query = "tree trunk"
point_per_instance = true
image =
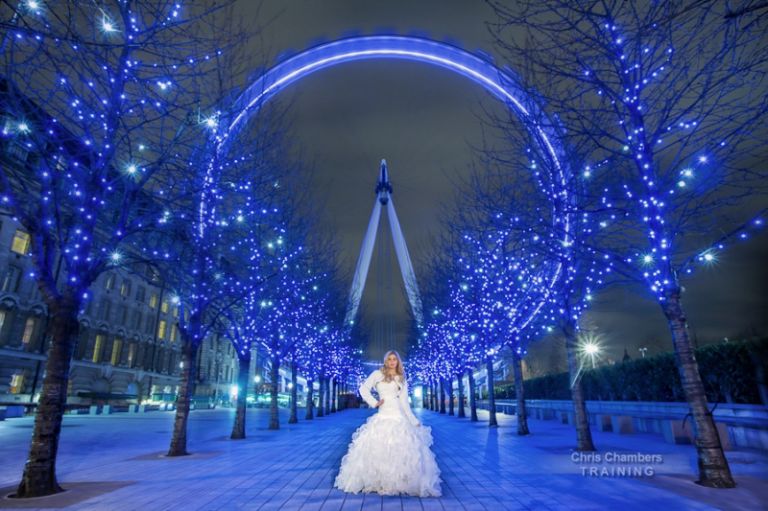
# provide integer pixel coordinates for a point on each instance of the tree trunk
(714, 471)
(491, 394)
(293, 419)
(333, 395)
(757, 353)
(310, 404)
(472, 395)
(450, 396)
(522, 415)
(424, 396)
(328, 395)
(442, 395)
(583, 432)
(462, 413)
(274, 412)
(336, 405)
(433, 396)
(39, 477)
(320, 404)
(189, 357)
(243, 373)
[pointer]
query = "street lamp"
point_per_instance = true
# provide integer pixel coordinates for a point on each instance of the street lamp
(590, 347)
(642, 351)
(592, 350)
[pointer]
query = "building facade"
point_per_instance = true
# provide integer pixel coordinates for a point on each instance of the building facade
(128, 348)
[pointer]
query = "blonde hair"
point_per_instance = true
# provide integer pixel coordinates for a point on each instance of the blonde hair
(399, 370)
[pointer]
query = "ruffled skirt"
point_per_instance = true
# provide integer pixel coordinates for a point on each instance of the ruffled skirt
(390, 456)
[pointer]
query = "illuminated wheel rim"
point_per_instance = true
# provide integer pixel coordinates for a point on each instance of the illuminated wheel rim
(501, 83)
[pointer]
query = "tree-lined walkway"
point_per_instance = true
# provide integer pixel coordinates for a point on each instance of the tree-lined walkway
(294, 468)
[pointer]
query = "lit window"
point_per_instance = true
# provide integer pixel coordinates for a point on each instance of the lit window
(21, 241)
(17, 383)
(29, 330)
(110, 282)
(117, 345)
(174, 332)
(125, 288)
(153, 300)
(97, 346)
(161, 329)
(11, 279)
(2, 321)
(164, 307)
(131, 353)
(106, 309)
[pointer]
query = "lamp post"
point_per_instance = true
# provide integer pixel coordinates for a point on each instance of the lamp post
(590, 345)
(592, 350)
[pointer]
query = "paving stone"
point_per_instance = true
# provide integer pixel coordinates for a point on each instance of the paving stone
(293, 468)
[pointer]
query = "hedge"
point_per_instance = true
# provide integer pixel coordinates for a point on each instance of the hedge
(731, 372)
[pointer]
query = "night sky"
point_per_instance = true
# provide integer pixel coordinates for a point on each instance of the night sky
(425, 121)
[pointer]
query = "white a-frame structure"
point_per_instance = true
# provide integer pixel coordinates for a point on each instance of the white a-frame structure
(384, 199)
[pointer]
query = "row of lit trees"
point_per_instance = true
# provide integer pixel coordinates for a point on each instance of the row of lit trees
(119, 104)
(269, 284)
(660, 109)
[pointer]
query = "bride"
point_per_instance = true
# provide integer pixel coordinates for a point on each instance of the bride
(390, 453)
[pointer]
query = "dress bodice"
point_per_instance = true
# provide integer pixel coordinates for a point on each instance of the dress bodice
(394, 393)
(388, 389)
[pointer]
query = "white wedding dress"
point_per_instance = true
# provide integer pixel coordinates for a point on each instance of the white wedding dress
(390, 454)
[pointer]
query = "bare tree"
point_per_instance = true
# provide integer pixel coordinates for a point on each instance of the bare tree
(662, 107)
(106, 100)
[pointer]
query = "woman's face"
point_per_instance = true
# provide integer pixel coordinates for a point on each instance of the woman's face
(391, 362)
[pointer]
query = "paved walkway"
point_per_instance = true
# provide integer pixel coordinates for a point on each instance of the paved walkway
(294, 468)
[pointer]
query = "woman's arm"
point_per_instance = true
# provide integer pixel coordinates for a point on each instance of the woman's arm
(367, 386)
